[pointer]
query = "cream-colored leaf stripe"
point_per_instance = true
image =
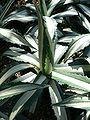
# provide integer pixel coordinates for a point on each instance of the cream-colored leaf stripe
(71, 81)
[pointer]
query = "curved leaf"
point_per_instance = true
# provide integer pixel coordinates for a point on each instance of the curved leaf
(22, 15)
(54, 3)
(85, 22)
(66, 39)
(28, 77)
(31, 40)
(33, 31)
(7, 6)
(30, 95)
(21, 102)
(51, 6)
(73, 80)
(79, 66)
(85, 9)
(77, 44)
(13, 70)
(30, 58)
(70, 12)
(56, 96)
(20, 18)
(10, 36)
(4, 116)
(31, 7)
(17, 89)
(80, 101)
(59, 52)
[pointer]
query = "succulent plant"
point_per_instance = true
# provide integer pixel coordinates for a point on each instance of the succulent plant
(53, 39)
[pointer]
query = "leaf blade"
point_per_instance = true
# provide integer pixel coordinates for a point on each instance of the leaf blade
(76, 45)
(79, 101)
(28, 57)
(12, 71)
(56, 95)
(10, 36)
(30, 95)
(73, 80)
(17, 89)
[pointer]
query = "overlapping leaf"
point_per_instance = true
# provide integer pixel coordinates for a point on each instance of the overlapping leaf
(6, 8)
(70, 12)
(17, 89)
(85, 9)
(56, 96)
(9, 72)
(30, 95)
(79, 66)
(73, 80)
(54, 3)
(85, 22)
(22, 57)
(59, 52)
(81, 101)
(28, 77)
(10, 36)
(78, 44)
(22, 14)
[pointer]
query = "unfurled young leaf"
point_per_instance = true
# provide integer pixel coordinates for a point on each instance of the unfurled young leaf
(51, 32)
(46, 40)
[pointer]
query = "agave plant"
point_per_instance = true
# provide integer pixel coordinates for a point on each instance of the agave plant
(50, 61)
